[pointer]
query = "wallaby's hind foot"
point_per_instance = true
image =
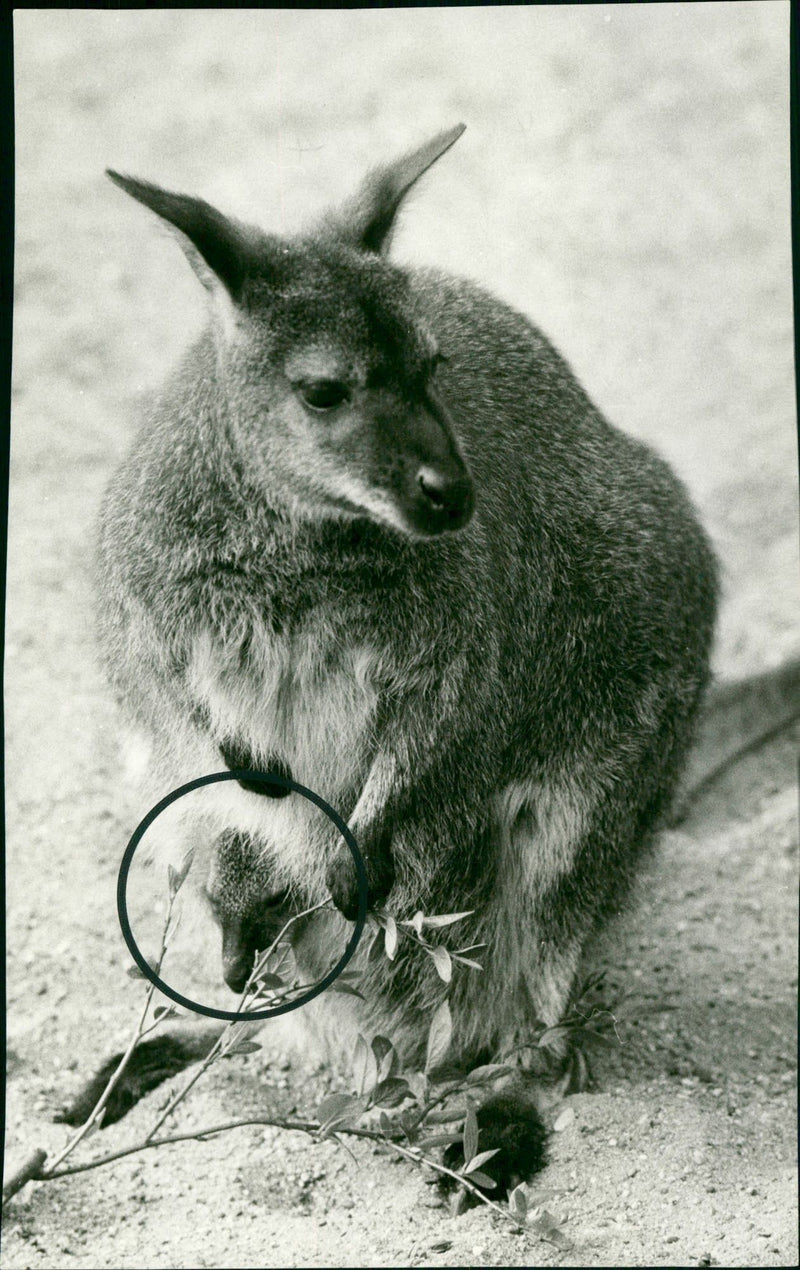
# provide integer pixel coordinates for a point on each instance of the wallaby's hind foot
(511, 1123)
(150, 1064)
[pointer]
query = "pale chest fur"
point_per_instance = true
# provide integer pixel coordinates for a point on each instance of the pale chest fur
(299, 700)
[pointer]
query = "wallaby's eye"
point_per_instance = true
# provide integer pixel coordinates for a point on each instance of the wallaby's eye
(324, 394)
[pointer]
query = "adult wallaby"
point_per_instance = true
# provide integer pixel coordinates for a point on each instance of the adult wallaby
(375, 535)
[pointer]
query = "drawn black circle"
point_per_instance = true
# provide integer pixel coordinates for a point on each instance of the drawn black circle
(243, 1016)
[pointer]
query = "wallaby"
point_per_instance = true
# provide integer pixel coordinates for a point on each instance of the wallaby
(375, 535)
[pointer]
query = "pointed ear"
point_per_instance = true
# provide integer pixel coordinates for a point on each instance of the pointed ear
(368, 219)
(218, 249)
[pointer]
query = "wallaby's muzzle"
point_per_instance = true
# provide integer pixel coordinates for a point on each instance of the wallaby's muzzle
(244, 935)
(443, 500)
(438, 494)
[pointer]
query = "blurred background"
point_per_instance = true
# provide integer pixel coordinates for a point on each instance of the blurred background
(623, 180)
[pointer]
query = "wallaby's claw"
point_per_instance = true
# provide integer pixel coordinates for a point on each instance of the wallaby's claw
(342, 880)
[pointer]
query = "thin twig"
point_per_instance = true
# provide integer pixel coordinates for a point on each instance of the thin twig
(456, 1087)
(95, 1115)
(35, 1170)
(442, 1168)
(310, 1127)
(31, 1171)
(223, 1039)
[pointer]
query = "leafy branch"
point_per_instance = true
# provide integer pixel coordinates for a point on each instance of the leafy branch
(423, 1101)
(415, 929)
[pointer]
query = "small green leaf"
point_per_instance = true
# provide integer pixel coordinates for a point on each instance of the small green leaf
(478, 1160)
(269, 980)
(443, 1117)
(546, 1227)
(332, 1105)
(483, 1179)
(177, 877)
(448, 1072)
(489, 1071)
(416, 922)
(337, 1110)
(376, 948)
(365, 1067)
(391, 1092)
(243, 1047)
(442, 962)
(165, 1012)
(385, 1056)
(337, 986)
(418, 1083)
(445, 919)
(439, 1036)
(439, 1140)
(133, 972)
(518, 1203)
(408, 1120)
(386, 1125)
(470, 1136)
(466, 961)
(390, 937)
(551, 1034)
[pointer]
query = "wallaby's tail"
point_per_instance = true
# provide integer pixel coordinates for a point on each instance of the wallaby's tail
(151, 1063)
(739, 716)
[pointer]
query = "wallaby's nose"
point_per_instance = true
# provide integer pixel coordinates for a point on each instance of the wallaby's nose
(448, 501)
(237, 973)
(237, 960)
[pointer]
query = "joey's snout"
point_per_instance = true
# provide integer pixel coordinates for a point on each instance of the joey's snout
(246, 934)
(238, 958)
(246, 903)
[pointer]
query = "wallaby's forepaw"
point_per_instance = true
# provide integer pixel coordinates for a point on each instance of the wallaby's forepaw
(509, 1122)
(342, 881)
(150, 1064)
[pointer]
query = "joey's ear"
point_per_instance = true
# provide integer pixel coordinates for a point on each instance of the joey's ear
(218, 249)
(368, 219)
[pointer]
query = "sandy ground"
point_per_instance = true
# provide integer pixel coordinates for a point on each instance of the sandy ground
(624, 180)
